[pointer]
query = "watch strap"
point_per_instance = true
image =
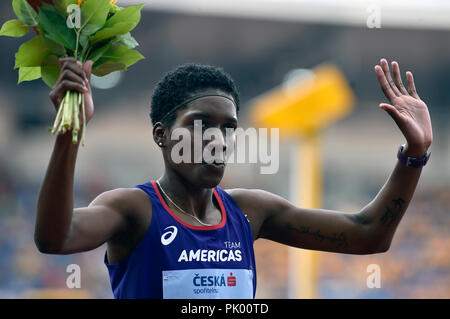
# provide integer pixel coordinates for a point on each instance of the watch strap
(415, 162)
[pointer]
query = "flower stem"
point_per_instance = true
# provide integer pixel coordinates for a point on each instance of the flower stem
(58, 117)
(76, 47)
(68, 116)
(67, 111)
(84, 119)
(76, 124)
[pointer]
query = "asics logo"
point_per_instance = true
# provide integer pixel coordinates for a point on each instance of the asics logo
(169, 235)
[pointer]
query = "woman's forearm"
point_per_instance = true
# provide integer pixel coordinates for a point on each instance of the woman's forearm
(386, 210)
(55, 202)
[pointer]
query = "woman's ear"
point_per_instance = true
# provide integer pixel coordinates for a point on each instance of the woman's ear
(159, 134)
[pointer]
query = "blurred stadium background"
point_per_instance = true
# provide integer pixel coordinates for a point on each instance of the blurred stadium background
(258, 42)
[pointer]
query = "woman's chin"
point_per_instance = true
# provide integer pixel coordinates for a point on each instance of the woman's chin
(208, 178)
(201, 175)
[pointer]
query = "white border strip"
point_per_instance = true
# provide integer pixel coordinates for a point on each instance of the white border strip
(420, 14)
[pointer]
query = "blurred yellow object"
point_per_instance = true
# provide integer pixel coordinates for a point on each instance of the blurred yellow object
(56, 294)
(307, 105)
(303, 264)
(302, 108)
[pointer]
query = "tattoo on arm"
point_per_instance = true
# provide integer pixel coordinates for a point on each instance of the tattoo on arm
(391, 213)
(339, 239)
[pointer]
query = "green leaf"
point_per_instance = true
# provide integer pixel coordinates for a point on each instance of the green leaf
(54, 25)
(14, 28)
(50, 70)
(93, 15)
(98, 52)
(84, 38)
(131, 14)
(61, 5)
(31, 53)
(119, 54)
(114, 9)
(29, 73)
(109, 67)
(51, 45)
(54, 47)
(110, 32)
(128, 40)
(93, 18)
(122, 22)
(25, 12)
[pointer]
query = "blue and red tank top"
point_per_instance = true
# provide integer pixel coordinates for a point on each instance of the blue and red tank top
(178, 260)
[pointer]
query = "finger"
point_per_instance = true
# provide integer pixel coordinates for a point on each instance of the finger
(75, 67)
(392, 111)
(398, 78)
(66, 59)
(87, 67)
(388, 108)
(73, 72)
(387, 90)
(66, 85)
(411, 85)
(73, 64)
(68, 74)
(387, 73)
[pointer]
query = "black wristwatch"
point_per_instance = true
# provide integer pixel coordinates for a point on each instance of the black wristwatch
(416, 162)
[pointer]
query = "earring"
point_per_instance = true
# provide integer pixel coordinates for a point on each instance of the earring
(160, 143)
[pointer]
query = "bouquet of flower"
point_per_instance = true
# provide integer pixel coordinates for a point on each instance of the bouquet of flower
(96, 30)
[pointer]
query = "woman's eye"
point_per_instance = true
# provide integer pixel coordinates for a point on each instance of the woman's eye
(230, 127)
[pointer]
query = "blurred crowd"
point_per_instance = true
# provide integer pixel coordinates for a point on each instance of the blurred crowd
(24, 271)
(417, 265)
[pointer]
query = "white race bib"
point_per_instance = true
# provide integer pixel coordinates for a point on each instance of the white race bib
(208, 284)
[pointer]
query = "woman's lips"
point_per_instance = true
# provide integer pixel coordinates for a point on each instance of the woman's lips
(214, 164)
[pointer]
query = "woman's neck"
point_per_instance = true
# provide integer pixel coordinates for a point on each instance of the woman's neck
(191, 198)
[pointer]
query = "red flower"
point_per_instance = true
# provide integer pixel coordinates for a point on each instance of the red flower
(35, 30)
(37, 3)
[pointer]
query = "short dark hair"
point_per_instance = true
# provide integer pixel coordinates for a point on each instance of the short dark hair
(183, 82)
